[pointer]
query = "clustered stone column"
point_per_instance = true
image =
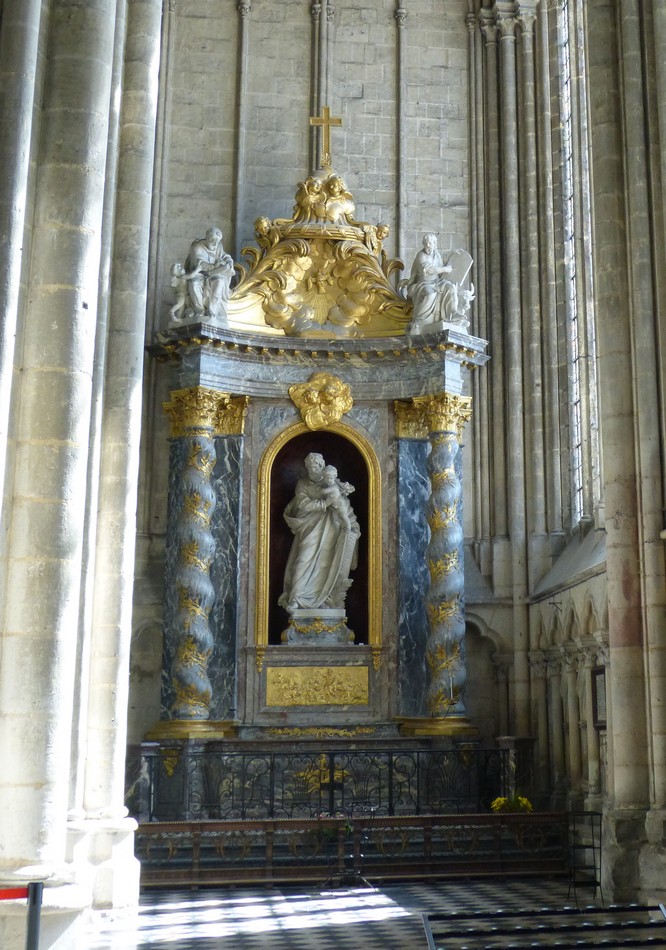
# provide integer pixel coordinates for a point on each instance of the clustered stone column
(197, 415)
(445, 416)
(568, 751)
(538, 670)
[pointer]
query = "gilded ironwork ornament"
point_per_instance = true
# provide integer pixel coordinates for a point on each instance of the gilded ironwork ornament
(324, 399)
(317, 732)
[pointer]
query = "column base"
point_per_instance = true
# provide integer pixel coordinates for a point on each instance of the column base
(634, 855)
(446, 726)
(64, 917)
(102, 852)
(193, 729)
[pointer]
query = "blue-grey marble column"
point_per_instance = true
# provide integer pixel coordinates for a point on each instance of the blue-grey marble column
(413, 577)
(225, 574)
(444, 417)
(197, 416)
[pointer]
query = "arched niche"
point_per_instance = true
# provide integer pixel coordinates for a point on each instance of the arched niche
(280, 468)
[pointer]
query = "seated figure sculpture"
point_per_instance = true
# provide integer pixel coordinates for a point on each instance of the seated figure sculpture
(203, 284)
(326, 533)
(435, 288)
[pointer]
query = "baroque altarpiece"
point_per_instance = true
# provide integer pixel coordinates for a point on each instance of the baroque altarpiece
(314, 350)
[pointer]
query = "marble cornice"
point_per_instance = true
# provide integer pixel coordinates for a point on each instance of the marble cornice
(388, 368)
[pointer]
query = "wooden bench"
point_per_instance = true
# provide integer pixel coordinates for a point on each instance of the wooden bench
(611, 927)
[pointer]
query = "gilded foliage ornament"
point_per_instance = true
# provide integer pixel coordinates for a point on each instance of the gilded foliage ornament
(445, 412)
(320, 273)
(205, 412)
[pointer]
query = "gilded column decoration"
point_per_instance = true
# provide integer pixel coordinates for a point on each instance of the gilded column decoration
(409, 421)
(324, 399)
(445, 416)
(196, 416)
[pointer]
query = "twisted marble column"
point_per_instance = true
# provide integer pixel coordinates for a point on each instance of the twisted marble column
(196, 417)
(445, 416)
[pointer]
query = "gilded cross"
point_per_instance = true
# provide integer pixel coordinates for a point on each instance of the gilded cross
(325, 120)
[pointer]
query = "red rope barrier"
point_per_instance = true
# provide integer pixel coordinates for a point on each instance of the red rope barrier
(13, 893)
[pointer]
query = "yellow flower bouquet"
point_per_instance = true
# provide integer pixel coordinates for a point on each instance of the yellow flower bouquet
(516, 803)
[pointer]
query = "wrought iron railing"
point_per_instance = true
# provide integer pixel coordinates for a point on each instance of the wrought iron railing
(170, 784)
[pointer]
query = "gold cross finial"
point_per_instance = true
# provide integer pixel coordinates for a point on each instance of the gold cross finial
(325, 120)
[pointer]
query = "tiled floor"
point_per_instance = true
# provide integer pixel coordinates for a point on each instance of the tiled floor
(304, 919)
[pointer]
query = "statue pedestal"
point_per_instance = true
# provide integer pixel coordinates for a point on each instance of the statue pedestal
(437, 326)
(318, 628)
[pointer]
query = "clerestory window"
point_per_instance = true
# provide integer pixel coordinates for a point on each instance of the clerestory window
(581, 381)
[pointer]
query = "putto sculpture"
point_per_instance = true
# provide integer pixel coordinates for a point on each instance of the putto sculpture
(436, 289)
(202, 285)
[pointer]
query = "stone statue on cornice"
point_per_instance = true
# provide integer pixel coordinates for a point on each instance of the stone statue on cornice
(202, 285)
(436, 288)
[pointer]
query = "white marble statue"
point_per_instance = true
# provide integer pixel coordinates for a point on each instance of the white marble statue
(436, 288)
(202, 284)
(325, 545)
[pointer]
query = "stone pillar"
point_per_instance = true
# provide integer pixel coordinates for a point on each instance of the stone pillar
(557, 762)
(481, 424)
(19, 57)
(445, 416)
(506, 22)
(626, 611)
(44, 572)
(502, 664)
(315, 95)
(588, 653)
(497, 423)
(548, 281)
(538, 668)
(534, 444)
(322, 72)
(244, 11)
(643, 209)
(400, 16)
(196, 415)
(117, 877)
(573, 721)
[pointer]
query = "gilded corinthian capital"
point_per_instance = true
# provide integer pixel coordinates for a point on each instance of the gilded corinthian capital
(409, 420)
(445, 412)
(205, 411)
